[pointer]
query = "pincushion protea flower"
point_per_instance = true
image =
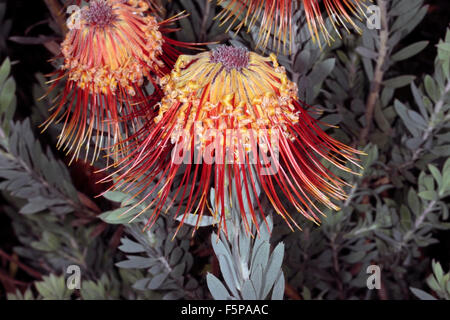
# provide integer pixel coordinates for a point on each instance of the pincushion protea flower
(206, 96)
(116, 46)
(276, 17)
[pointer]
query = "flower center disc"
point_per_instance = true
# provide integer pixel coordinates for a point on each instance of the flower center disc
(230, 57)
(99, 13)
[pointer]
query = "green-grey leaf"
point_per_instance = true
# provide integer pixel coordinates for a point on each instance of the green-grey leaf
(422, 295)
(118, 216)
(278, 289)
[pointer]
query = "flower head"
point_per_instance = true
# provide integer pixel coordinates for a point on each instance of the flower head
(229, 112)
(117, 45)
(276, 16)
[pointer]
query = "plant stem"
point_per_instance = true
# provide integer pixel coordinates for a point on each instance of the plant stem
(24, 267)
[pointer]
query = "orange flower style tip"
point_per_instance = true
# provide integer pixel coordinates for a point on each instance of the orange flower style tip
(154, 5)
(230, 119)
(108, 54)
(274, 18)
(340, 13)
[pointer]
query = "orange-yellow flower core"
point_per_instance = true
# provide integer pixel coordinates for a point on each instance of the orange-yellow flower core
(228, 88)
(116, 45)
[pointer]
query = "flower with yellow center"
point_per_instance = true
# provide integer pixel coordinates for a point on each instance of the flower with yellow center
(229, 113)
(275, 17)
(108, 55)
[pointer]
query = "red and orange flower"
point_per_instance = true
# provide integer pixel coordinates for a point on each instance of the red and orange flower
(275, 17)
(115, 46)
(232, 90)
